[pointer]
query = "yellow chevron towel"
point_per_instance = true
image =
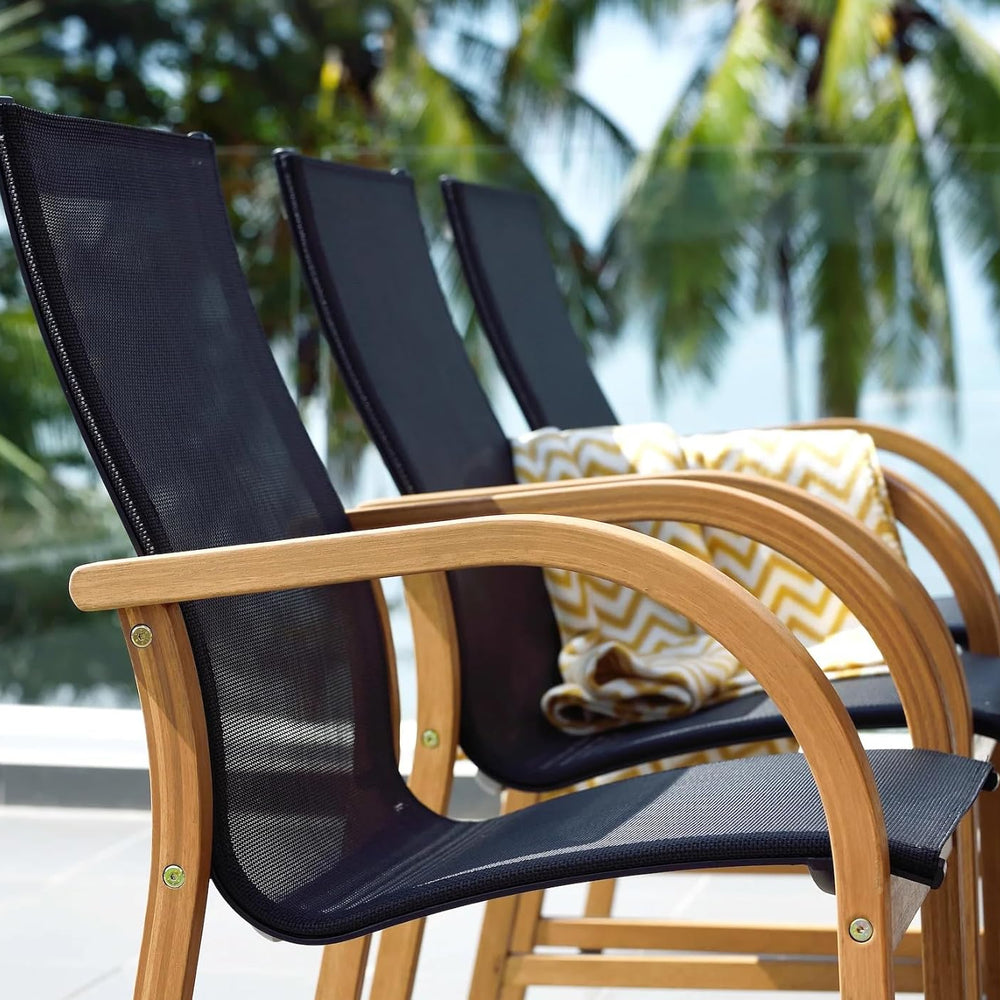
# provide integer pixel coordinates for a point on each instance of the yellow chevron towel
(626, 659)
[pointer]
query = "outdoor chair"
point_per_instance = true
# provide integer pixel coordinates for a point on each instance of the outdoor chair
(366, 261)
(500, 238)
(258, 640)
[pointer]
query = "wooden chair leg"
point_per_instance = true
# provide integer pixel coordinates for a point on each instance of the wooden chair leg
(171, 940)
(968, 881)
(524, 935)
(865, 970)
(181, 798)
(600, 897)
(494, 948)
(989, 869)
(342, 971)
(499, 921)
(396, 966)
(945, 970)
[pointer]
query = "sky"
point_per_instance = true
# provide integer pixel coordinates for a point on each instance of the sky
(635, 76)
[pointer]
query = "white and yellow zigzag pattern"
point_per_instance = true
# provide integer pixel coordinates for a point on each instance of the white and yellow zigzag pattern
(626, 659)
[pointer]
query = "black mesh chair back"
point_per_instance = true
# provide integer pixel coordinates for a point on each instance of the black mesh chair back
(199, 444)
(366, 259)
(508, 267)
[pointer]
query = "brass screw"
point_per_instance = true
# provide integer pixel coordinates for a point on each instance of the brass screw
(142, 636)
(173, 876)
(861, 930)
(430, 738)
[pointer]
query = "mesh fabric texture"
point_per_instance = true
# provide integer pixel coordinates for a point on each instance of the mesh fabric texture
(125, 246)
(759, 810)
(505, 258)
(365, 259)
(128, 256)
(363, 249)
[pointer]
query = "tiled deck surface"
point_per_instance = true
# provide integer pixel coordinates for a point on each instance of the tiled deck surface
(72, 891)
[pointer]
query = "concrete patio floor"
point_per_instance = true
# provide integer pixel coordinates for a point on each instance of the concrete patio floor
(72, 893)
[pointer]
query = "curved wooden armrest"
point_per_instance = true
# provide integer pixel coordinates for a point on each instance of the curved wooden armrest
(919, 653)
(418, 508)
(802, 693)
(784, 669)
(936, 461)
(957, 557)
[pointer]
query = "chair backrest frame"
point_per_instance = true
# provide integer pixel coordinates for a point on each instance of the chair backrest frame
(366, 259)
(124, 243)
(508, 267)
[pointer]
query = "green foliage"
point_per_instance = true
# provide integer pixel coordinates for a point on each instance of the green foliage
(20, 57)
(48, 649)
(696, 200)
(349, 79)
(793, 174)
(31, 404)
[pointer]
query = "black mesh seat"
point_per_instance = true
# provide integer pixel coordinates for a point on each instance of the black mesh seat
(761, 810)
(125, 248)
(505, 256)
(871, 702)
(360, 238)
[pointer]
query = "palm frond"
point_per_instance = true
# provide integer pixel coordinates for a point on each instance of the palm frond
(965, 100)
(904, 195)
(697, 200)
(21, 60)
(455, 131)
(22, 464)
(571, 122)
(552, 31)
(837, 290)
(857, 29)
(18, 14)
(533, 90)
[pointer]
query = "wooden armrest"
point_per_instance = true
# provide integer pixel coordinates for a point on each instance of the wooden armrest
(936, 461)
(801, 692)
(666, 574)
(417, 508)
(957, 557)
(917, 652)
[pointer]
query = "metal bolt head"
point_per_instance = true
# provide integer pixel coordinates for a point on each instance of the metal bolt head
(861, 929)
(173, 876)
(430, 738)
(142, 636)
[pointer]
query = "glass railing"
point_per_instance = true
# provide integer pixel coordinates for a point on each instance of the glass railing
(737, 288)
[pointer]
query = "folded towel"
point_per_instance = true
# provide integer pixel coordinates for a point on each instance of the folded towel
(626, 659)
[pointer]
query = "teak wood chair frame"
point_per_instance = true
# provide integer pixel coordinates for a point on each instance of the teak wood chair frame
(512, 928)
(977, 599)
(979, 639)
(381, 213)
(499, 235)
(158, 173)
(146, 592)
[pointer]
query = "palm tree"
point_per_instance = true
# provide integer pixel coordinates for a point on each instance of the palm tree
(809, 167)
(352, 79)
